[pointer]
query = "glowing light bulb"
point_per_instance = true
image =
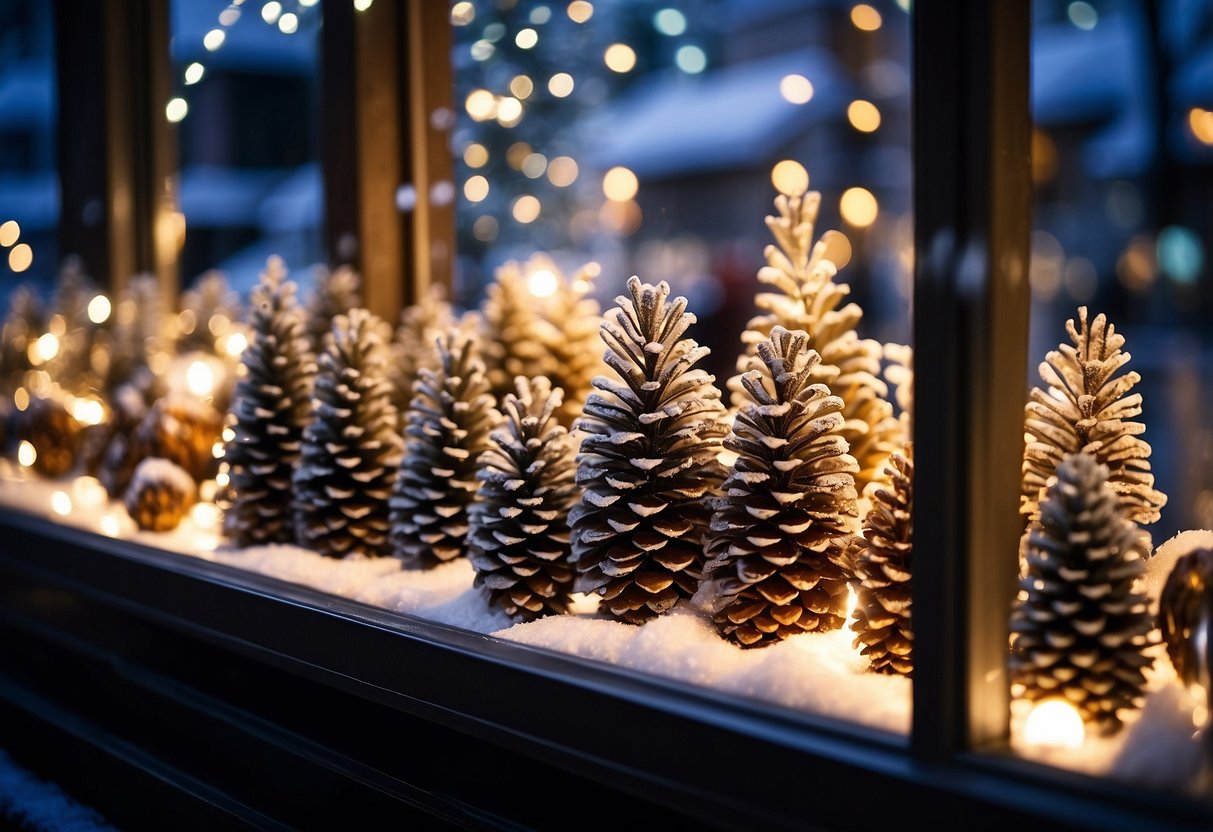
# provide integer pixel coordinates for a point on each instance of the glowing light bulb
(619, 57)
(288, 24)
(10, 232)
(476, 188)
(20, 257)
(45, 348)
(176, 109)
(88, 411)
(99, 309)
(859, 207)
(61, 504)
(796, 89)
(110, 525)
(200, 379)
(620, 184)
(509, 111)
(789, 177)
(481, 105)
(560, 84)
(214, 39)
(88, 492)
(542, 283)
(1054, 723)
(526, 38)
(26, 454)
(206, 516)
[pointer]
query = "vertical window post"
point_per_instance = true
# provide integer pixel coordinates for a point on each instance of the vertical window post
(972, 203)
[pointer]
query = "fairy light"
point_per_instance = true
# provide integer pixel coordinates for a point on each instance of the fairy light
(88, 492)
(235, 344)
(509, 111)
(541, 283)
(462, 13)
(526, 38)
(619, 57)
(1054, 723)
(270, 11)
(852, 602)
(362, 5)
(863, 116)
(579, 11)
(222, 478)
(534, 165)
(205, 516)
(475, 155)
(620, 184)
(21, 399)
(1200, 121)
(865, 18)
(561, 84)
(10, 232)
(476, 188)
(27, 455)
(228, 434)
(859, 207)
(88, 411)
(45, 348)
(526, 209)
(562, 171)
(790, 177)
(217, 450)
(796, 89)
(61, 504)
(485, 228)
(200, 379)
(20, 257)
(522, 86)
(110, 525)
(691, 59)
(229, 16)
(481, 105)
(214, 39)
(288, 24)
(670, 22)
(176, 109)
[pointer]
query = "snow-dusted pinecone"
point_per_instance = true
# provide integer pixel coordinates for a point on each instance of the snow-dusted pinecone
(447, 428)
(519, 534)
(568, 334)
(209, 310)
(648, 459)
(414, 347)
(161, 493)
(183, 430)
(350, 446)
(1186, 605)
(778, 537)
(269, 411)
(511, 316)
(54, 433)
(334, 293)
(1086, 407)
(882, 610)
(1080, 627)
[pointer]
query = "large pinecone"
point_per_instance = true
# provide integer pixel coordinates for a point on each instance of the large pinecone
(778, 537)
(882, 610)
(1185, 606)
(161, 493)
(806, 297)
(447, 428)
(270, 409)
(350, 446)
(1080, 628)
(1086, 408)
(647, 461)
(519, 535)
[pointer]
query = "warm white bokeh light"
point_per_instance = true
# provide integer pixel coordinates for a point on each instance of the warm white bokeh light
(796, 89)
(200, 379)
(1054, 723)
(541, 283)
(619, 57)
(859, 207)
(790, 177)
(620, 184)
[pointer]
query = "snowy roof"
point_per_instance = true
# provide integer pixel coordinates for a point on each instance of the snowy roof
(675, 124)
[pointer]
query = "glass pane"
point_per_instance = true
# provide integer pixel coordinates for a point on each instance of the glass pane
(29, 183)
(246, 104)
(1122, 228)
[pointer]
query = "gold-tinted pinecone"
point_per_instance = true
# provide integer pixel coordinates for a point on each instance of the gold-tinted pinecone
(777, 540)
(648, 459)
(54, 433)
(160, 495)
(511, 316)
(882, 610)
(1185, 606)
(1080, 627)
(179, 428)
(447, 428)
(518, 539)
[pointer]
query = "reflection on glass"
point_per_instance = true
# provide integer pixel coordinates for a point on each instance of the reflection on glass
(245, 101)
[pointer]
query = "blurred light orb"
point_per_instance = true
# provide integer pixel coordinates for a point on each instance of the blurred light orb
(1082, 15)
(476, 189)
(619, 57)
(670, 22)
(21, 399)
(270, 11)
(200, 379)
(288, 24)
(521, 86)
(509, 111)
(362, 5)
(26, 454)
(61, 504)
(541, 283)
(619, 184)
(229, 16)
(482, 50)
(10, 232)
(235, 345)
(88, 411)
(1180, 254)
(194, 73)
(1200, 121)
(526, 209)
(1137, 266)
(540, 15)
(534, 165)
(790, 177)
(494, 32)
(214, 39)
(562, 171)
(1054, 723)
(484, 229)
(796, 89)
(1081, 279)
(865, 18)
(526, 38)
(481, 104)
(46, 347)
(859, 207)
(691, 59)
(176, 109)
(516, 154)
(863, 115)
(475, 155)
(462, 13)
(579, 11)
(560, 84)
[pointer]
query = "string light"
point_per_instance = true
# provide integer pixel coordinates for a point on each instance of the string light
(45, 348)
(790, 177)
(61, 504)
(509, 111)
(522, 86)
(691, 59)
(21, 399)
(462, 13)
(481, 105)
(270, 11)
(214, 39)
(865, 18)
(362, 5)
(1199, 120)
(288, 24)
(541, 283)
(526, 38)
(534, 165)
(10, 232)
(560, 84)
(620, 184)
(1054, 723)
(236, 344)
(20, 257)
(476, 188)
(526, 209)
(859, 207)
(863, 116)
(229, 16)
(194, 73)
(200, 379)
(176, 109)
(27, 455)
(475, 155)
(670, 22)
(619, 57)
(579, 11)
(796, 89)
(562, 171)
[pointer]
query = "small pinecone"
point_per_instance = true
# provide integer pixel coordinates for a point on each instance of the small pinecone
(334, 293)
(568, 334)
(208, 310)
(421, 325)
(882, 611)
(1185, 606)
(160, 495)
(778, 538)
(22, 326)
(181, 429)
(351, 447)
(519, 533)
(447, 428)
(270, 409)
(510, 344)
(1080, 628)
(648, 459)
(54, 433)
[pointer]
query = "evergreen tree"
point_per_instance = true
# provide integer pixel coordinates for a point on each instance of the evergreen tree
(350, 446)
(807, 298)
(1080, 628)
(1087, 407)
(269, 411)
(648, 459)
(446, 429)
(778, 537)
(882, 612)
(519, 532)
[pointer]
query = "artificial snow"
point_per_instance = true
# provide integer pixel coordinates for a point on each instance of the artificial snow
(821, 673)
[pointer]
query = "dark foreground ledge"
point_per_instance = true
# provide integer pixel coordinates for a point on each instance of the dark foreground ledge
(169, 691)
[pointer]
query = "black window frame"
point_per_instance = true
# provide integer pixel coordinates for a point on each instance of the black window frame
(155, 685)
